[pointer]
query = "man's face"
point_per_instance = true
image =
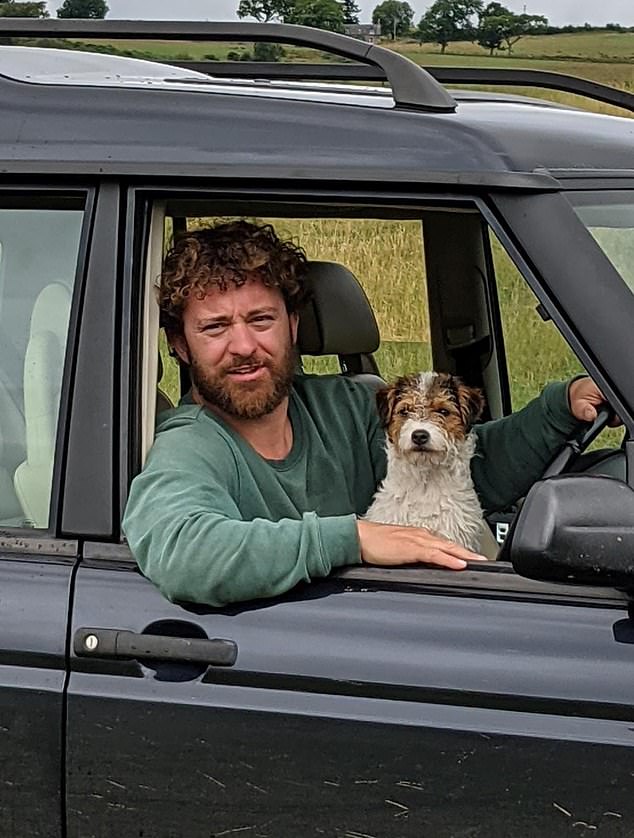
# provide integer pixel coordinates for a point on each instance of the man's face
(239, 345)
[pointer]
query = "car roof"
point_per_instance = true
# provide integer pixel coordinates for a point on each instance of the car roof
(151, 117)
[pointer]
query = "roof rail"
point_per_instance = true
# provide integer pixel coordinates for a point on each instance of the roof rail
(412, 87)
(445, 75)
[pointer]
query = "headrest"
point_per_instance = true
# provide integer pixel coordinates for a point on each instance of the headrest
(338, 319)
(52, 311)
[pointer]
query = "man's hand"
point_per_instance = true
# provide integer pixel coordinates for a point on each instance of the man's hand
(585, 398)
(387, 544)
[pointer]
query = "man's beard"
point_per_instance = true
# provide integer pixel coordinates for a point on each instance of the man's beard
(247, 399)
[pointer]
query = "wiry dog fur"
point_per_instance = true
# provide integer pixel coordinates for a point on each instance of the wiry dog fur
(428, 419)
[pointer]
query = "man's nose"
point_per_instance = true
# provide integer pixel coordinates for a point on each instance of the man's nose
(242, 340)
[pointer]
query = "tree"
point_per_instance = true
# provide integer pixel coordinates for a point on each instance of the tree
(9, 8)
(322, 14)
(490, 34)
(264, 10)
(395, 18)
(511, 27)
(351, 11)
(494, 10)
(449, 20)
(87, 9)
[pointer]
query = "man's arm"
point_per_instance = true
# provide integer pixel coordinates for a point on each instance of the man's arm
(513, 452)
(187, 536)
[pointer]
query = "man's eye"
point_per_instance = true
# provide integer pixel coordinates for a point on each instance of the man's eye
(264, 320)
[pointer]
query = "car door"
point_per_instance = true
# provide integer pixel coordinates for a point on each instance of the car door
(374, 703)
(400, 702)
(42, 240)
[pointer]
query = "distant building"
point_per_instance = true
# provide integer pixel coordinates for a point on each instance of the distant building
(368, 32)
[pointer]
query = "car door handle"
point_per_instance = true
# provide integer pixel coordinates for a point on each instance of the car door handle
(118, 643)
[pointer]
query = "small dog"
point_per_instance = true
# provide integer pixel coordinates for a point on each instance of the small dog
(428, 419)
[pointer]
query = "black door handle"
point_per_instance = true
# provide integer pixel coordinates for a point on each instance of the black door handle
(118, 643)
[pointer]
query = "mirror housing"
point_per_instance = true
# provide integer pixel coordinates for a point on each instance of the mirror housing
(576, 528)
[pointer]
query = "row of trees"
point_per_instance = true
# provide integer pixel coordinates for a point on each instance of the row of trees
(324, 14)
(493, 26)
(68, 9)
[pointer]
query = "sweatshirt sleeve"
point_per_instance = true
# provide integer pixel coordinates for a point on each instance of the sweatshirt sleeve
(513, 452)
(186, 533)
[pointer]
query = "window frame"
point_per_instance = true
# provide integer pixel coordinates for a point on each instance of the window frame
(48, 541)
(273, 202)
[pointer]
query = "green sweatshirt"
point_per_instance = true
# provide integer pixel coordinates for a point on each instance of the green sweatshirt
(211, 521)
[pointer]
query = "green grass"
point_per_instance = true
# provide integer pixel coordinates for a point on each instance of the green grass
(596, 47)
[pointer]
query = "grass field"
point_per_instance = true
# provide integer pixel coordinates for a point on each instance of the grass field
(387, 256)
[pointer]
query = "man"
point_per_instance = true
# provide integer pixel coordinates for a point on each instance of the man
(258, 482)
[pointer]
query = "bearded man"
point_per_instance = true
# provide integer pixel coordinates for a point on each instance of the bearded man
(259, 479)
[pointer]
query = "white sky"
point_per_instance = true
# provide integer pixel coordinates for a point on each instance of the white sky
(558, 12)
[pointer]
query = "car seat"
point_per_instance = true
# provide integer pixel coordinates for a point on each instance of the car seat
(43, 368)
(338, 320)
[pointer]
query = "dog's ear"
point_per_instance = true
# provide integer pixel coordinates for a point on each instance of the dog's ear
(471, 403)
(385, 401)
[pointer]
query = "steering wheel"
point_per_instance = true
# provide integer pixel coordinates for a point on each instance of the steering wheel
(570, 452)
(575, 446)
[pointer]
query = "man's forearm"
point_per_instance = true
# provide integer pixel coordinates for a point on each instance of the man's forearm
(207, 558)
(513, 452)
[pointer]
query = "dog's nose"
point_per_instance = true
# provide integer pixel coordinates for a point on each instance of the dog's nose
(420, 438)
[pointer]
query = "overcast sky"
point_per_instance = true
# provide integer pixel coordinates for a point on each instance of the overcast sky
(558, 12)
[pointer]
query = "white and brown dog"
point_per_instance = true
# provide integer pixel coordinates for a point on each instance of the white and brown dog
(428, 419)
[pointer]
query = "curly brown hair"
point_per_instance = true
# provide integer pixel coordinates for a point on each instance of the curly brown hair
(225, 255)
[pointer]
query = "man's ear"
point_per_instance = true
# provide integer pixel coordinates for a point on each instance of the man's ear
(293, 320)
(178, 344)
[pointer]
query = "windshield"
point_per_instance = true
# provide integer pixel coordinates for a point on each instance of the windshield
(609, 216)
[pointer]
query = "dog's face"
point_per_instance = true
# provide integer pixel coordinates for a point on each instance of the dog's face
(428, 414)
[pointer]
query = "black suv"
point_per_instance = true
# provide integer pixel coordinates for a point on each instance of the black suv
(402, 702)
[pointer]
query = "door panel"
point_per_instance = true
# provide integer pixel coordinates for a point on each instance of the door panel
(33, 620)
(353, 711)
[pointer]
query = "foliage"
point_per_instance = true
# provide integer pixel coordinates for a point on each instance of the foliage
(267, 52)
(351, 11)
(490, 35)
(87, 9)
(12, 8)
(395, 18)
(264, 10)
(510, 28)
(322, 14)
(449, 20)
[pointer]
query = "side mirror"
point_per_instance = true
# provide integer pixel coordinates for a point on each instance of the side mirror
(576, 528)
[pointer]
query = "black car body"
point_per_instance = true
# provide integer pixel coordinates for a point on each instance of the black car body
(401, 702)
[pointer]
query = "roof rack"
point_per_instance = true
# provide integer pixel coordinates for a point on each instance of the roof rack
(412, 87)
(445, 75)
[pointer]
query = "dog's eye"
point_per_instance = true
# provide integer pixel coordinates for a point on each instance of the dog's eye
(402, 411)
(442, 411)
